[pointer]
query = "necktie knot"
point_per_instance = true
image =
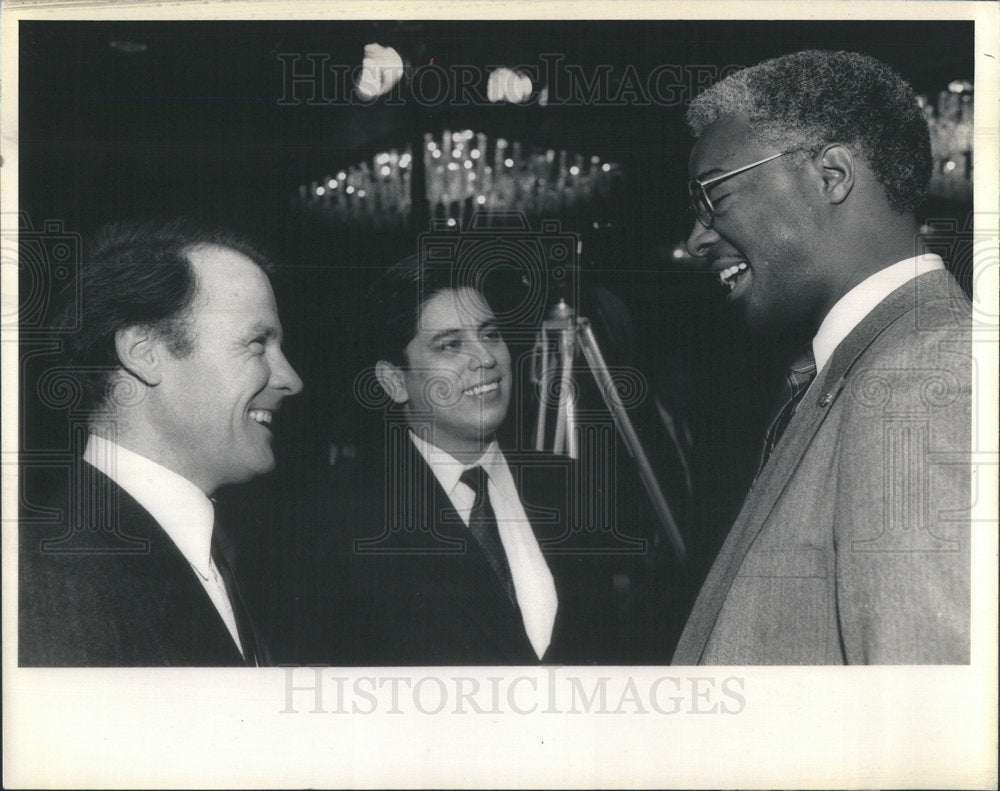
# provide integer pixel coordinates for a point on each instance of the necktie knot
(797, 379)
(802, 370)
(475, 478)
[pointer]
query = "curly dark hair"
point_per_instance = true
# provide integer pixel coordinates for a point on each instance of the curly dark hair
(811, 98)
(137, 273)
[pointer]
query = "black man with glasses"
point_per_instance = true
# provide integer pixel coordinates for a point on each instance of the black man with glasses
(853, 544)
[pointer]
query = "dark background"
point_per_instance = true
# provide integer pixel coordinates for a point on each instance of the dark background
(134, 119)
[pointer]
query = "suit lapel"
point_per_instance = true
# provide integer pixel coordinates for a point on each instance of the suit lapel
(188, 617)
(467, 569)
(777, 473)
(543, 483)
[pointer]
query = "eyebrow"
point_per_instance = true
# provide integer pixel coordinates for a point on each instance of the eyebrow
(458, 330)
(267, 330)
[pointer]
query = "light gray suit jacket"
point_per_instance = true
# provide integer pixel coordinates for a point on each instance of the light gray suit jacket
(852, 547)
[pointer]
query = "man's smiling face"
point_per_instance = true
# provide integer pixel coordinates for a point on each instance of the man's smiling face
(458, 374)
(214, 407)
(760, 244)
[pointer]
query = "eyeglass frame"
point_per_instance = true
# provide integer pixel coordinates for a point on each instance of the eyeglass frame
(697, 187)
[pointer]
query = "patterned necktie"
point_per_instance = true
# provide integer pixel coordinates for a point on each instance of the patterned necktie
(483, 526)
(797, 379)
(252, 653)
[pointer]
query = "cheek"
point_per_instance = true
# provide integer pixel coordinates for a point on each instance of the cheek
(503, 359)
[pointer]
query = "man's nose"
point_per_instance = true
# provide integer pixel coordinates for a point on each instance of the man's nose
(283, 376)
(482, 357)
(700, 240)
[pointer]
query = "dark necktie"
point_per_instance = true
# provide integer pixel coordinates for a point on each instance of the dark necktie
(797, 379)
(252, 653)
(483, 526)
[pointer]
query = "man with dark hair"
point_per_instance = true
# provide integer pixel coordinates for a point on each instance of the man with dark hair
(465, 557)
(852, 545)
(179, 352)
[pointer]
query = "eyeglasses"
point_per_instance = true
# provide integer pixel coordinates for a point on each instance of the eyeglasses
(701, 204)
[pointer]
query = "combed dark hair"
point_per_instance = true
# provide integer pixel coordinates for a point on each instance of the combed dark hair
(394, 303)
(137, 274)
(811, 98)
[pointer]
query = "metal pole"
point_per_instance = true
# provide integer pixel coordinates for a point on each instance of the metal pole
(599, 368)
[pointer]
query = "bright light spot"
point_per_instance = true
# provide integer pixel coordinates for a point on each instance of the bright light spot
(678, 252)
(474, 153)
(321, 190)
(385, 170)
(949, 166)
(509, 162)
(404, 161)
(480, 199)
(361, 193)
(472, 175)
(432, 145)
(505, 85)
(457, 153)
(381, 68)
(451, 222)
(350, 189)
(381, 159)
(436, 154)
(332, 184)
(595, 159)
(605, 167)
(452, 166)
(342, 175)
(574, 171)
(468, 164)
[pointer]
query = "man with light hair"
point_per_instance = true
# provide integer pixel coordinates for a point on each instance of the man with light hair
(852, 545)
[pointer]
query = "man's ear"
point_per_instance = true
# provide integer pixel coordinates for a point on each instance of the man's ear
(837, 163)
(140, 352)
(391, 378)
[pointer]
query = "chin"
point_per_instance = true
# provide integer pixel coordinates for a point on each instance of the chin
(261, 467)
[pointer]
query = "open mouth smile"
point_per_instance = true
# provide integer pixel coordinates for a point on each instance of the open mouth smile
(729, 276)
(481, 390)
(263, 416)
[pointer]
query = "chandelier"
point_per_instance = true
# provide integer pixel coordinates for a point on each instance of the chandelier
(463, 172)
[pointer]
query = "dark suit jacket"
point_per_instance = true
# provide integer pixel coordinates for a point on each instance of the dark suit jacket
(853, 545)
(102, 585)
(413, 588)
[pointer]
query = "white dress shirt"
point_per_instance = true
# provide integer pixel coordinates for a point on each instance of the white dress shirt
(848, 312)
(533, 583)
(182, 509)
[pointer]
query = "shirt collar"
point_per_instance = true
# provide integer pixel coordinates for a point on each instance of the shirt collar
(447, 469)
(182, 509)
(848, 312)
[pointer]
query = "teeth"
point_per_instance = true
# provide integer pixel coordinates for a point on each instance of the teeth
(261, 415)
(480, 389)
(727, 276)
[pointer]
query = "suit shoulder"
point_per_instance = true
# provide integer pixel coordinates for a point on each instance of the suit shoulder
(932, 332)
